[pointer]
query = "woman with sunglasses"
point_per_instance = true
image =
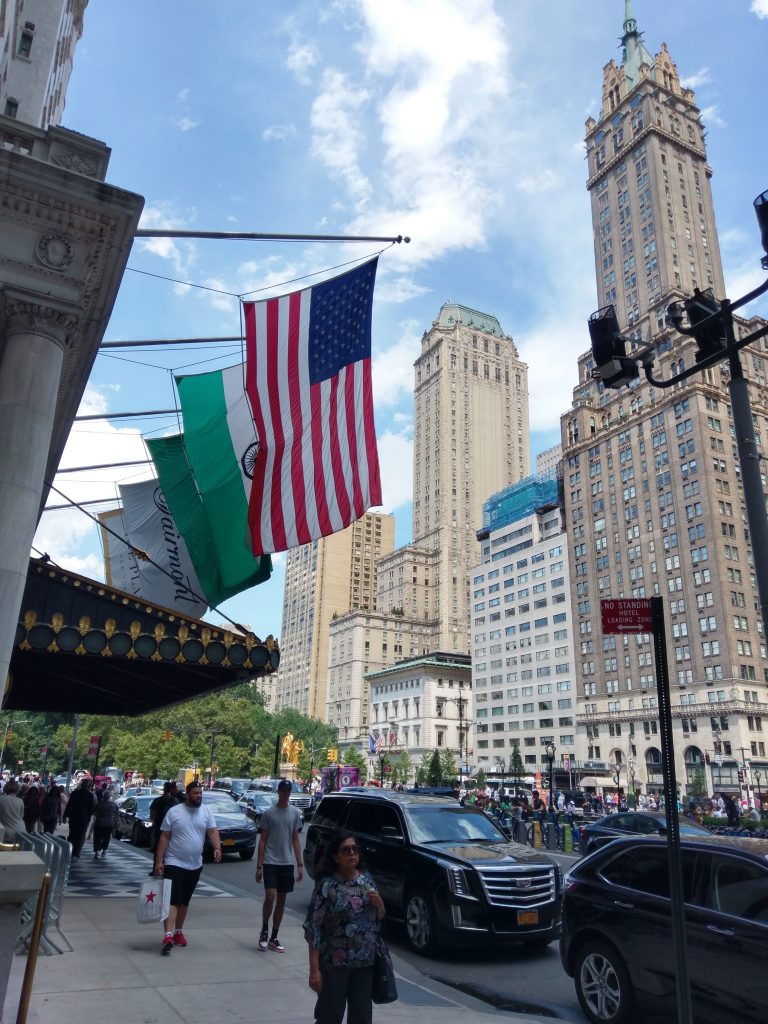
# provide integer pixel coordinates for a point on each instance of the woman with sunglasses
(342, 928)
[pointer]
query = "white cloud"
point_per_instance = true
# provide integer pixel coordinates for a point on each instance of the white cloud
(182, 95)
(760, 8)
(278, 132)
(301, 57)
(186, 124)
(395, 452)
(64, 534)
(165, 215)
(392, 368)
(698, 78)
(711, 117)
(542, 181)
(337, 135)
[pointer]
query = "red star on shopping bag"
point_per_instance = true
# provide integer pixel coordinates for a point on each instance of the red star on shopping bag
(151, 897)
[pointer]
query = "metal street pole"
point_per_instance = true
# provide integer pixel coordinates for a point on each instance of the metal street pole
(71, 758)
(674, 856)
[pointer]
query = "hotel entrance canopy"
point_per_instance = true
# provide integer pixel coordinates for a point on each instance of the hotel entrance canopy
(82, 646)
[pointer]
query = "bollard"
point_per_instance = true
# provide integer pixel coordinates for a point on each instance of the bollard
(551, 836)
(536, 835)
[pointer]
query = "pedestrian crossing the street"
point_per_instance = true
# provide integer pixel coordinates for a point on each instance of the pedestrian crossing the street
(119, 873)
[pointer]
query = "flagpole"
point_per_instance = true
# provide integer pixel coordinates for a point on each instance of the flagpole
(265, 237)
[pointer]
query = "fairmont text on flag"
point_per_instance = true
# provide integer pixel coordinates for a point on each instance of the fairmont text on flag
(314, 468)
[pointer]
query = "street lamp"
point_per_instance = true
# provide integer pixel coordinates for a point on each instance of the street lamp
(631, 771)
(461, 703)
(757, 776)
(549, 751)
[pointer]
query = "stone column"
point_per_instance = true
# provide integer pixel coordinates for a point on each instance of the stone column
(33, 338)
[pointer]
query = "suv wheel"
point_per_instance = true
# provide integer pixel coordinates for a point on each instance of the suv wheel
(420, 922)
(603, 986)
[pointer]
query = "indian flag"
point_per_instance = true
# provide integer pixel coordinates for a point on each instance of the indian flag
(204, 474)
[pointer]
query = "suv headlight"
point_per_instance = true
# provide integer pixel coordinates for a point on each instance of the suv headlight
(458, 880)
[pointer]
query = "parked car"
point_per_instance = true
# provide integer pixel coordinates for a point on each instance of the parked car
(617, 939)
(611, 826)
(133, 819)
(448, 871)
(234, 787)
(303, 801)
(254, 805)
(134, 791)
(237, 832)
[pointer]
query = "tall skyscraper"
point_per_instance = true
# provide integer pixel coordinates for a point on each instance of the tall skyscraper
(653, 496)
(471, 439)
(323, 580)
(37, 47)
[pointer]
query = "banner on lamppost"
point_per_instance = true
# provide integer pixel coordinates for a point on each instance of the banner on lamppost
(93, 746)
(44, 749)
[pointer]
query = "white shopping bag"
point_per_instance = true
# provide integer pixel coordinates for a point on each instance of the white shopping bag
(154, 901)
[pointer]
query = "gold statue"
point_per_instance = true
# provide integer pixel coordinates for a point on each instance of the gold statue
(291, 749)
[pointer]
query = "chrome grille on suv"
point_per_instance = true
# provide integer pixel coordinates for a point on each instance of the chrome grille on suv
(302, 802)
(518, 887)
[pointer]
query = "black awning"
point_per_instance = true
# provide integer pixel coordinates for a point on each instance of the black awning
(82, 646)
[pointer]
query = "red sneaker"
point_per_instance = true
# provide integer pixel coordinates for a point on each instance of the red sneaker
(178, 939)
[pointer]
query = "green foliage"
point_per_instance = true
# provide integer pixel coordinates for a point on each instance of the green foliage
(435, 770)
(234, 721)
(698, 781)
(516, 767)
(402, 769)
(480, 779)
(448, 766)
(353, 757)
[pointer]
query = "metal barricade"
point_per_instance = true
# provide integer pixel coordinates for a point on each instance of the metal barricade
(56, 854)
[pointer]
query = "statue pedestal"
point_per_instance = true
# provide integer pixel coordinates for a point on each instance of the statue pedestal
(288, 771)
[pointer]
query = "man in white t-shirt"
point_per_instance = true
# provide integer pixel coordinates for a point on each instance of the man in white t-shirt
(179, 857)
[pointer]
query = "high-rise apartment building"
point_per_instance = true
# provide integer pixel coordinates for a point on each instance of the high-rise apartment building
(523, 664)
(323, 580)
(471, 439)
(653, 497)
(37, 46)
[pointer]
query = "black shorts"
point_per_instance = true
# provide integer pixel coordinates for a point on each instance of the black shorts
(278, 876)
(183, 883)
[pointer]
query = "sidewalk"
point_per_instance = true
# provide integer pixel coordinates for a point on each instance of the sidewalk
(117, 974)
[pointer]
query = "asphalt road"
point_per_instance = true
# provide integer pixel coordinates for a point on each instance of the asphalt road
(505, 975)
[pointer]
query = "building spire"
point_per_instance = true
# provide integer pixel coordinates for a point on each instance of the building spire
(631, 36)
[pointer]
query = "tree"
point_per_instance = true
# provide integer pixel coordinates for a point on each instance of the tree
(435, 770)
(516, 767)
(354, 758)
(448, 766)
(698, 781)
(480, 779)
(402, 770)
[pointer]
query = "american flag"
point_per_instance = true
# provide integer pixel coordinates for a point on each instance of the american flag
(379, 744)
(308, 379)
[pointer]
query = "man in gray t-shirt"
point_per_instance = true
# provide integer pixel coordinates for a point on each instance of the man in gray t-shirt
(278, 845)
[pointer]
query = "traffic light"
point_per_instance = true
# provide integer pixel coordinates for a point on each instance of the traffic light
(333, 754)
(709, 333)
(741, 775)
(609, 349)
(761, 209)
(167, 735)
(9, 737)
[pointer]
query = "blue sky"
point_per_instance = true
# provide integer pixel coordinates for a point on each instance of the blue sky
(457, 122)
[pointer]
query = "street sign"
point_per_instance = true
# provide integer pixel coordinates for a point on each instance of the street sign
(628, 615)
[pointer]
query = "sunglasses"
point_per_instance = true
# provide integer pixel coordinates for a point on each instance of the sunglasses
(348, 850)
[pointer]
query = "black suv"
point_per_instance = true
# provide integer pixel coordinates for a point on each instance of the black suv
(617, 935)
(448, 871)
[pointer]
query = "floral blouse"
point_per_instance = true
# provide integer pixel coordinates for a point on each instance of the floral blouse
(340, 923)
